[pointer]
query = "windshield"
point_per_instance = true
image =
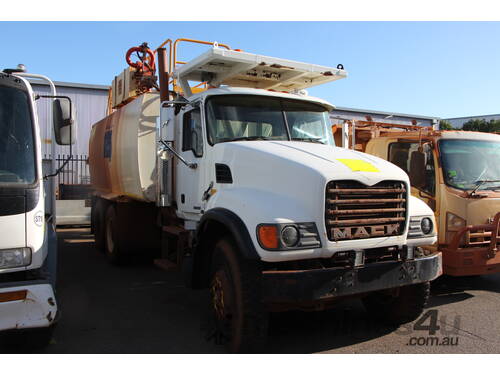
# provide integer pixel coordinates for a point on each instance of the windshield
(17, 157)
(253, 117)
(469, 164)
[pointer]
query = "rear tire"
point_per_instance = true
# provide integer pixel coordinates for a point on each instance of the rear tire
(398, 306)
(98, 224)
(111, 238)
(240, 316)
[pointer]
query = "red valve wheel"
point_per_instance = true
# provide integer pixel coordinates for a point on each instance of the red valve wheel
(150, 58)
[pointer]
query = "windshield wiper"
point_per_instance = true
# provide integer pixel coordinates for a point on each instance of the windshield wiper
(479, 183)
(251, 138)
(307, 139)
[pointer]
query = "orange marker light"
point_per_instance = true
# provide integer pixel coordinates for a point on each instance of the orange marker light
(18, 295)
(268, 236)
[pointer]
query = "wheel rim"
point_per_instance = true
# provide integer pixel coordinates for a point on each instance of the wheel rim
(221, 294)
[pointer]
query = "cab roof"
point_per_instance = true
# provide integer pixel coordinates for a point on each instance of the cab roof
(249, 91)
(461, 134)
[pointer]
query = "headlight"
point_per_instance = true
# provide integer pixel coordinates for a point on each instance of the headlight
(12, 258)
(294, 236)
(420, 226)
(290, 236)
(426, 225)
(454, 222)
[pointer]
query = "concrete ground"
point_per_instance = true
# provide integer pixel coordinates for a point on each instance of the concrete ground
(142, 309)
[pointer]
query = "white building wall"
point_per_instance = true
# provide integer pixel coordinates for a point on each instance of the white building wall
(90, 107)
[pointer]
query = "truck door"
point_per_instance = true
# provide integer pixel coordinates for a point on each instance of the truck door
(189, 180)
(401, 154)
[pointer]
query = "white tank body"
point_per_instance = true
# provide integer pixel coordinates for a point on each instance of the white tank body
(122, 150)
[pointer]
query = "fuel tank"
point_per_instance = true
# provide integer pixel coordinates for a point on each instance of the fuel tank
(122, 150)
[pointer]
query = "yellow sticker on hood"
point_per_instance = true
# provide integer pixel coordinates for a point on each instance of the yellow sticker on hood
(357, 165)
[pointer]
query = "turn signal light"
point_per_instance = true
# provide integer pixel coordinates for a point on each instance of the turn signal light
(268, 236)
(18, 295)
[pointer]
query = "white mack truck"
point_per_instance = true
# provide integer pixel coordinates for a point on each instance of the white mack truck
(27, 210)
(235, 182)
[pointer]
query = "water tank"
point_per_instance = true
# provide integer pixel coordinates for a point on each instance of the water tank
(122, 150)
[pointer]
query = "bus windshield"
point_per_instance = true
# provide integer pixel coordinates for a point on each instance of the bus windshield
(17, 154)
(254, 117)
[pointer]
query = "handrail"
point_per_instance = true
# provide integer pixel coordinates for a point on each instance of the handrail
(174, 60)
(172, 55)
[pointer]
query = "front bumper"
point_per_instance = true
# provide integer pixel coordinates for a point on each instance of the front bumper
(469, 261)
(33, 306)
(476, 258)
(299, 286)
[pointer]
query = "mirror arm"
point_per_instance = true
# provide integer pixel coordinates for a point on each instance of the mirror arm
(167, 147)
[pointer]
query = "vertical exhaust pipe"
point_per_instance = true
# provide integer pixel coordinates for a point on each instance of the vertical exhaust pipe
(163, 74)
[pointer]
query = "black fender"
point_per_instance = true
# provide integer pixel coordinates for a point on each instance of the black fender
(51, 260)
(236, 228)
(196, 266)
(48, 270)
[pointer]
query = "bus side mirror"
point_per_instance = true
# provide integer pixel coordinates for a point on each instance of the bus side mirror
(417, 169)
(64, 121)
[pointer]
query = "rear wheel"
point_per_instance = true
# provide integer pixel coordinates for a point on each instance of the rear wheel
(111, 239)
(98, 219)
(400, 305)
(240, 316)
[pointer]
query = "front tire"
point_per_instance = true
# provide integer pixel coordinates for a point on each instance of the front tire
(41, 337)
(398, 306)
(240, 316)
(27, 341)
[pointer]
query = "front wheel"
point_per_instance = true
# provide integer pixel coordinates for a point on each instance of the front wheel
(400, 305)
(27, 341)
(241, 319)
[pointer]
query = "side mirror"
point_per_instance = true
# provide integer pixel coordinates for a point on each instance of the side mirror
(64, 119)
(417, 169)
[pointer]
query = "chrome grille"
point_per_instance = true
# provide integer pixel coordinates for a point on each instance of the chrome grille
(356, 211)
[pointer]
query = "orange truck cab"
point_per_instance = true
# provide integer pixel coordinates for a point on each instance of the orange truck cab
(457, 173)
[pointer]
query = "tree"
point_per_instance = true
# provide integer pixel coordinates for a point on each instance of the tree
(481, 125)
(445, 125)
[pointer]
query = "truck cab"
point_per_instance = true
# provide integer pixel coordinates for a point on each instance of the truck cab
(27, 230)
(247, 144)
(456, 173)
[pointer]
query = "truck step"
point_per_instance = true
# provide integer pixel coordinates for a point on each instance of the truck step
(173, 230)
(166, 264)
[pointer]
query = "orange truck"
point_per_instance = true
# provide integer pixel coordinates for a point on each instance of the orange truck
(456, 173)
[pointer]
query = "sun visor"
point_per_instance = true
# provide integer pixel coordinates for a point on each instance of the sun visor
(241, 69)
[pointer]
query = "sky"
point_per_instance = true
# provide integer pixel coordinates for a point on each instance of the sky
(442, 69)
